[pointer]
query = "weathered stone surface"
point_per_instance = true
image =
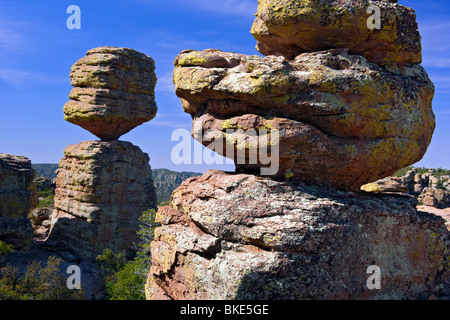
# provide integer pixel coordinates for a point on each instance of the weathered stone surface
(444, 213)
(342, 120)
(114, 91)
(102, 189)
(17, 191)
(289, 28)
(437, 198)
(239, 236)
(17, 199)
(388, 184)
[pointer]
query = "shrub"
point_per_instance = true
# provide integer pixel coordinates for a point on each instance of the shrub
(47, 202)
(125, 280)
(5, 248)
(48, 283)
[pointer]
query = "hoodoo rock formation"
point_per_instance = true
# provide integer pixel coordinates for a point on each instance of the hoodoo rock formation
(103, 187)
(17, 199)
(339, 105)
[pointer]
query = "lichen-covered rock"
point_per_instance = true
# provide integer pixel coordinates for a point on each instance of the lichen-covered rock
(342, 120)
(289, 28)
(114, 91)
(239, 236)
(388, 184)
(102, 189)
(17, 199)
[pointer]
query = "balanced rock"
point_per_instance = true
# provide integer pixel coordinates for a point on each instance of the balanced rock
(289, 28)
(102, 190)
(341, 120)
(114, 91)
(239, 236)
(17, 199)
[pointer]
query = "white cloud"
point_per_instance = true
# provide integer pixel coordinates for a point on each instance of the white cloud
(10, 39)
(18, 77)
(165, 83)
(180, 120)
(233, 7)
(440, 81)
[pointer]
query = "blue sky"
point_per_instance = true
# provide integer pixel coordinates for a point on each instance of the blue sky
(37, 51)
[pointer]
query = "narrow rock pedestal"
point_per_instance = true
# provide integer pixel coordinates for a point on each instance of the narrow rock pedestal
(102, 189)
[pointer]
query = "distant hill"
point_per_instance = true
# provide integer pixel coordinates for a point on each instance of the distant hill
(165, 180)
(45, 169)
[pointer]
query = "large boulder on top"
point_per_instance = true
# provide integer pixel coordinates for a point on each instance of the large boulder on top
(114, 91)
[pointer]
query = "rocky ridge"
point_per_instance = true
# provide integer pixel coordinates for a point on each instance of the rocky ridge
(239, 236)
(102, 189)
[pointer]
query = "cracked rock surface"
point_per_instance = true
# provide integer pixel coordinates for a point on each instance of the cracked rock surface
(102, 188)
(238, 236)
(17, 199)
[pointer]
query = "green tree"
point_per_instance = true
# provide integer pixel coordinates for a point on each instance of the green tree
(37, 283)
(125, 280)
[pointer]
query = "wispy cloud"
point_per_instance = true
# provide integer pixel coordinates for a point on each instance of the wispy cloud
(441, 81)
(233, 7)
(10, 39)
(229, 7)
(435, 43)
(165, 83)
(179, 120)
(19, 77)
(12, 34)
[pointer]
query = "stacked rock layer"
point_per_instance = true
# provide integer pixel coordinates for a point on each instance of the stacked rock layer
(17, 199)
(239, 236)
(289, 28)
(103, 187)
(338, 105)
